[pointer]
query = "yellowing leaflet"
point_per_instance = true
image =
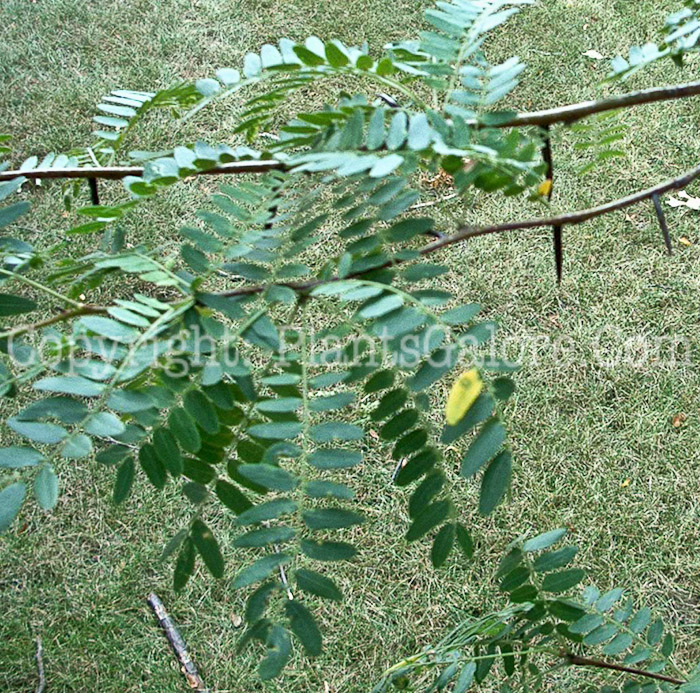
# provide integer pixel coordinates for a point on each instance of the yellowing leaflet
(463, 394)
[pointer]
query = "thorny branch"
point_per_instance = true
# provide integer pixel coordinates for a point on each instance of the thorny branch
(463, 234)
(563, 114)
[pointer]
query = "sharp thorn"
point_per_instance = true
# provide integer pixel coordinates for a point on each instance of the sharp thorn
(388, 100)
(558, 252)
(94, 194)
(661, 216)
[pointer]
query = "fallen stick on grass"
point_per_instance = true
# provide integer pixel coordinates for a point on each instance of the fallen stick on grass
(189, 668)
(39, 656)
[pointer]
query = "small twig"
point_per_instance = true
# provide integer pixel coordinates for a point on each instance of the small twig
(39, 656)
(59, 317)
(285, 582)
(119, 172)
(661, 216)
(576, 111)
(189, 668)
(586, 662)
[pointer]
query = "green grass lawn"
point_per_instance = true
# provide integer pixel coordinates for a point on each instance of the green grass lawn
(595, 448)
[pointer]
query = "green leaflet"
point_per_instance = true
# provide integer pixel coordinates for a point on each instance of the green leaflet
(328, 550)
(335, 430)
(330, 518)
(184, 429)
(495, 482)
(232, 497)
(442, 545)
(563, 580)
(424, 493)
(265, 536)
(555, 559)
(318, 585)
(17, 457)
(544, 541)
(304, 627)
(263, 333)
(283, 430)
(430, 517)
(105, 424)
(46, 487)
(267, 511)
(70, 385)
(201, 410)
(332, 402)
(335, 458)
(112, 329)
(208, 548)
(261, 569)
(152, 466)
(278, 653)
(483, 448)
(184, 566)
(46, 433)
(328, 489)
(270, 477)
(11, 499)
(124, 481)
(11, 213)
(15, 305)
(167, 451)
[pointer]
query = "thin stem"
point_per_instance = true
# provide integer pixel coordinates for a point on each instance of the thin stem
(119, 172)
(177, 643)
(586, 662)
(41, 287)
(60, 317)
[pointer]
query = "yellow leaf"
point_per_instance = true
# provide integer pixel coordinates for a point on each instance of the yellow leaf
(625, 483)
(684, 240)
(545, 187)
(463, 394)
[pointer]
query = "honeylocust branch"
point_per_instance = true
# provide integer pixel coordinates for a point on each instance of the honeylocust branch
(575, 660)
(463, 234)
(568, 219)
(562, 114)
